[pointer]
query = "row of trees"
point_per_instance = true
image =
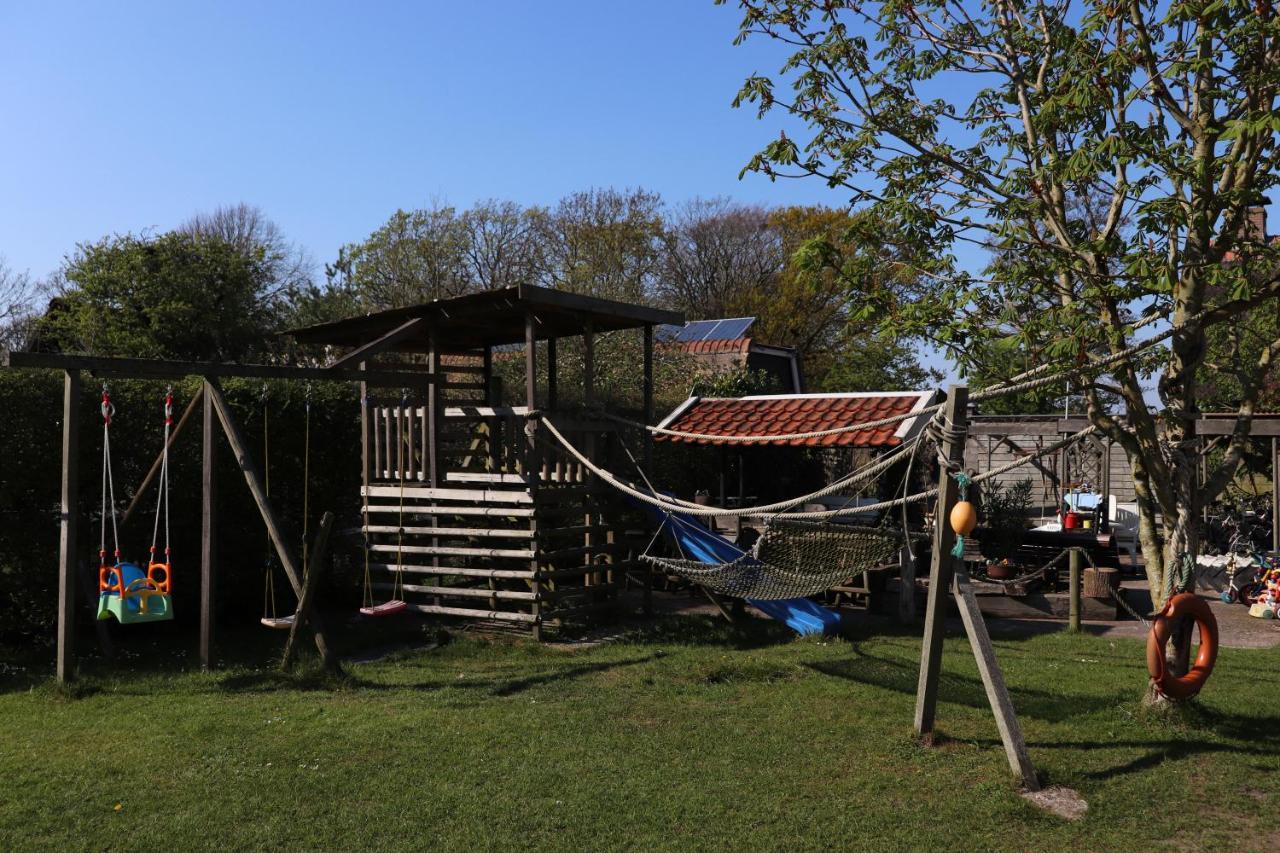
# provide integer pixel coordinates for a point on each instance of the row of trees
(223, 283)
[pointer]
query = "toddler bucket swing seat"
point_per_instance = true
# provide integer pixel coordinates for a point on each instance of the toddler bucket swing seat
(125, 591)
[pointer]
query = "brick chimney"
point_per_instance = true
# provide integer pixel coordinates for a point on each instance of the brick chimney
(1254, 228)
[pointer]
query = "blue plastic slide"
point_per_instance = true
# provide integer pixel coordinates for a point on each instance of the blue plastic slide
(697, 542)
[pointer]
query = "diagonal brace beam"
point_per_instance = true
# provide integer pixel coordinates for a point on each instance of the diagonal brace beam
(275, 529)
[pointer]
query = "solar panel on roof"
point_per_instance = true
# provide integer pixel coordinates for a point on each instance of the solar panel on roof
(715, 330)
(731, 330)
(667, 332)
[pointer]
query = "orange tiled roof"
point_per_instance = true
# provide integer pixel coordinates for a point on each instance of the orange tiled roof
(777, 414)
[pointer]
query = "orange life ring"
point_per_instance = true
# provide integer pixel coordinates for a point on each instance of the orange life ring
(1184, 686)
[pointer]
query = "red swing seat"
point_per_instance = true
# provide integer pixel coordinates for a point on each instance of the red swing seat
(386, 608)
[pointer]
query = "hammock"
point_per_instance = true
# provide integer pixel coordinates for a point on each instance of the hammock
(792, 559)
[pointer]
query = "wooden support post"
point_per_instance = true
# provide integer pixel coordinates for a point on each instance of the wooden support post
(1015, 747)
(208, 529)
(940, 578)
(1074, 573)
(68, 542)
(724, 478)
(1275, 494)
(533, 465)
(589, 364)
(648, 398)
(433, 409)
(907, 585)
(275, 529)
(487, 377)
(155, 466)
(1105, 522)
(553, 396)
(314, 568)
(367, 426)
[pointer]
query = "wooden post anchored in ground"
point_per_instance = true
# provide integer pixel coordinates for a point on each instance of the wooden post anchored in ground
(69, 543)
(940, 578)
(1073, 623)
(1015, 748)
(945, 567)
(208, 528)
(275, 529)
(315, 567)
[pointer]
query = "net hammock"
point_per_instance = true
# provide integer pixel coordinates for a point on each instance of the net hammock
(791, 559)
(798, 554)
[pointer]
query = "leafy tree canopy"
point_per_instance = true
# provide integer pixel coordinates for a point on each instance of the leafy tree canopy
(176, 295)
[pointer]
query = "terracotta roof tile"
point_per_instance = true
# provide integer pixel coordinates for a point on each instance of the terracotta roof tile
(778, 414)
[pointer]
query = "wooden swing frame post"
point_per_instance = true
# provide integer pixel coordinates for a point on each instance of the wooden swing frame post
(68, 543)
(951, 575)
(215, 407)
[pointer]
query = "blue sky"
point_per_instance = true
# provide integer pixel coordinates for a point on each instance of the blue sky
(131, 116)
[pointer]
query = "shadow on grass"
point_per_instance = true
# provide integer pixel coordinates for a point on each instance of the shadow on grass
(902, 677)
(704, 630)
(317, 679)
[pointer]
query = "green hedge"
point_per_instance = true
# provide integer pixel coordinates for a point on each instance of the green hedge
(31, 435)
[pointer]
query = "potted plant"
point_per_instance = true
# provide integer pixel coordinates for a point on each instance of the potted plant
(1004, 516)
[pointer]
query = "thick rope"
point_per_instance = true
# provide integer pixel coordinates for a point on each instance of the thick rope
(691, 508)
(778, 509)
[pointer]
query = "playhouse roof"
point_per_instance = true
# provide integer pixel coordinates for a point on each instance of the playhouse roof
(776, 414)
(490, 318)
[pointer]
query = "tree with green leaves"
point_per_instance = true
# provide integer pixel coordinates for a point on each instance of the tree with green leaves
(178, 295)
(985, 125)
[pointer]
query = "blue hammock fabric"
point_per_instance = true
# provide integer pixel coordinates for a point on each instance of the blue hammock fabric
(697, 542)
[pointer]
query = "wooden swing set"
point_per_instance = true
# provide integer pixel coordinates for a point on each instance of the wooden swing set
(216, 413)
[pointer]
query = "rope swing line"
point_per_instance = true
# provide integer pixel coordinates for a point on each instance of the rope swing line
(268, 576)
(159, 572)
(778, 510)
(108, 482)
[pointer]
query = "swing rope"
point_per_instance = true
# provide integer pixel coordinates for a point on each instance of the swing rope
(108, 482)
(397, 589)
(162, 496)
(268, 576)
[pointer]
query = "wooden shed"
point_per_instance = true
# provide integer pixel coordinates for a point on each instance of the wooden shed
(474, 513)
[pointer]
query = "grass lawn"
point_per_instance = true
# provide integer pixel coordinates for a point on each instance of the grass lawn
(689, 734)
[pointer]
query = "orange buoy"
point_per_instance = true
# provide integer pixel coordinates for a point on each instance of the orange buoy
(1182, 686)
(964, 517)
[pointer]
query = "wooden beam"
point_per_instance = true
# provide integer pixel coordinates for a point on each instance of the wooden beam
(155, 466)
(68, 541)
(275, 528)
(143, 368)
(208, 530)
(588, 364)
(940, 579)
(553, 387)
(530, 362)
(380, 345)
(314, 568)
(648, 397)
(433, 409)
(1015, 747)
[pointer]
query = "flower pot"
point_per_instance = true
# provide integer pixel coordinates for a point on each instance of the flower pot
(1001, 571)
